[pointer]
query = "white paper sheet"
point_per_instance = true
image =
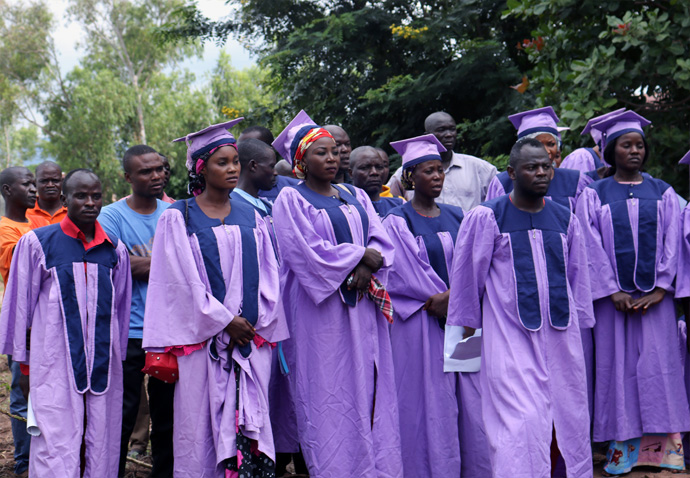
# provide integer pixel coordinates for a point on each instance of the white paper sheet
(461, 355)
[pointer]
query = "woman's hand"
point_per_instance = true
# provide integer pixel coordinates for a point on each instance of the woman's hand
(437, 304)
(240, 330)
(622, 300)
(372, 259)
(361, 278)
(648, 300)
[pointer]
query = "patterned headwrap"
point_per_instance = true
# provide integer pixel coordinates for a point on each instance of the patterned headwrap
(309, 138)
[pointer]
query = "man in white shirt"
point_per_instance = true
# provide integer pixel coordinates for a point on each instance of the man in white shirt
(467, 177)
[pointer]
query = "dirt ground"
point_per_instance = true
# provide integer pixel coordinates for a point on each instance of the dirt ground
(136, 471)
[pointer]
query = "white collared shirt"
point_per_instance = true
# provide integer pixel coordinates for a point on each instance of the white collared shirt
(466, 183)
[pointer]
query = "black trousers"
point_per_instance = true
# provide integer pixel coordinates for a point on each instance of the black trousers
(161, 408)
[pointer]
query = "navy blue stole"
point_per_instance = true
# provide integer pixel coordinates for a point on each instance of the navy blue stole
(341, 228)
(242, 215)
(563, 185)
(635, 271)
(594, 175)
(384, 205)
(61, 252)
(553, 221)
(428, 228)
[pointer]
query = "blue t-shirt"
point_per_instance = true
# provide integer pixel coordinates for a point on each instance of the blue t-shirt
(136, 231)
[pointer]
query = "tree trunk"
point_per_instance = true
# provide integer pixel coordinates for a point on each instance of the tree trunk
(8, 146)
(140, 111)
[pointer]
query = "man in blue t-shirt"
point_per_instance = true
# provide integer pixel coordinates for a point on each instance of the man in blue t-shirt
(133, 220)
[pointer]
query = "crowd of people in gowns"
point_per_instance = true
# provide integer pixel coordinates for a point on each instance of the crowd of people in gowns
(445, 320)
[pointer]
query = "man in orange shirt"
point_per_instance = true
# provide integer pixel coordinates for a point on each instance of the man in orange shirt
(49, 186)
(19, 191)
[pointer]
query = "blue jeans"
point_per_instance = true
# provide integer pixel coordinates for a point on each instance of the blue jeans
(22, 440)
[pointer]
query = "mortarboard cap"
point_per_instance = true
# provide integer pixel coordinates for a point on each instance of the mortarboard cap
(685, 159)
(594, 133)
(541, 120)
(287, 141)
(419, 149)
(208, 138)
(620, 124)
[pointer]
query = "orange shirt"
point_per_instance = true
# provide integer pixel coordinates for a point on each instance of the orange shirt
(10, 232)
(40, 213)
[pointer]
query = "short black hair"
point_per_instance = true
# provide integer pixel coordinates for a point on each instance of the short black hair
(9, 175)
(66, 181)
(265, 134)
(516, 150)
(252, 149)
(47, 164)
(360, 150)
(134, 151)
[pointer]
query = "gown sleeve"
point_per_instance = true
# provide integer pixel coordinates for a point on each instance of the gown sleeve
(21, 296)
(306, 253)
(683, 278)
(495, 189)
(411, 280)
(378, 236)
(578, 274)
(580, 159)
(601, 273)
(472, 260)
(271, 323)
(180, 310)
(667, 263)
(122, 289)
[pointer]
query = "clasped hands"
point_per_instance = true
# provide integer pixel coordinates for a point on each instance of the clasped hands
(625, 303)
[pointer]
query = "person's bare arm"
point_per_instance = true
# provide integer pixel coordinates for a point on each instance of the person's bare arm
(140, 267)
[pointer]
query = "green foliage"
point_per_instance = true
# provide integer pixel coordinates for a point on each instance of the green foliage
(599, 56)
(173, 116)
(90, 128)
(244, 93)
(379, 68)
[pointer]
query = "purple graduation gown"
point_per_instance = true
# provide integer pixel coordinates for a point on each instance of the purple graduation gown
(632, 234)
(565, 188)
(583, 160)
(281, 403)
(342, 362)
(79, 322)
(427, 401)
(203, 274)
(523, 278)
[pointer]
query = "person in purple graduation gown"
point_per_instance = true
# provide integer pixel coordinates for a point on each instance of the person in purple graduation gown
(631, 223)
(588, 160)
(213, 300)
(423, 233)
(368, 171)
(258, 160)
(520, 272)
(332, 247)
(540, 124)
(69, 289)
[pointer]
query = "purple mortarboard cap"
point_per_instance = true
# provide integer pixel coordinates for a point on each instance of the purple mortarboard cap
(594, 133)
(541, 120)
(418, 150)
(685, 159)
(287, 141)
(208, 138)
(620, 124)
